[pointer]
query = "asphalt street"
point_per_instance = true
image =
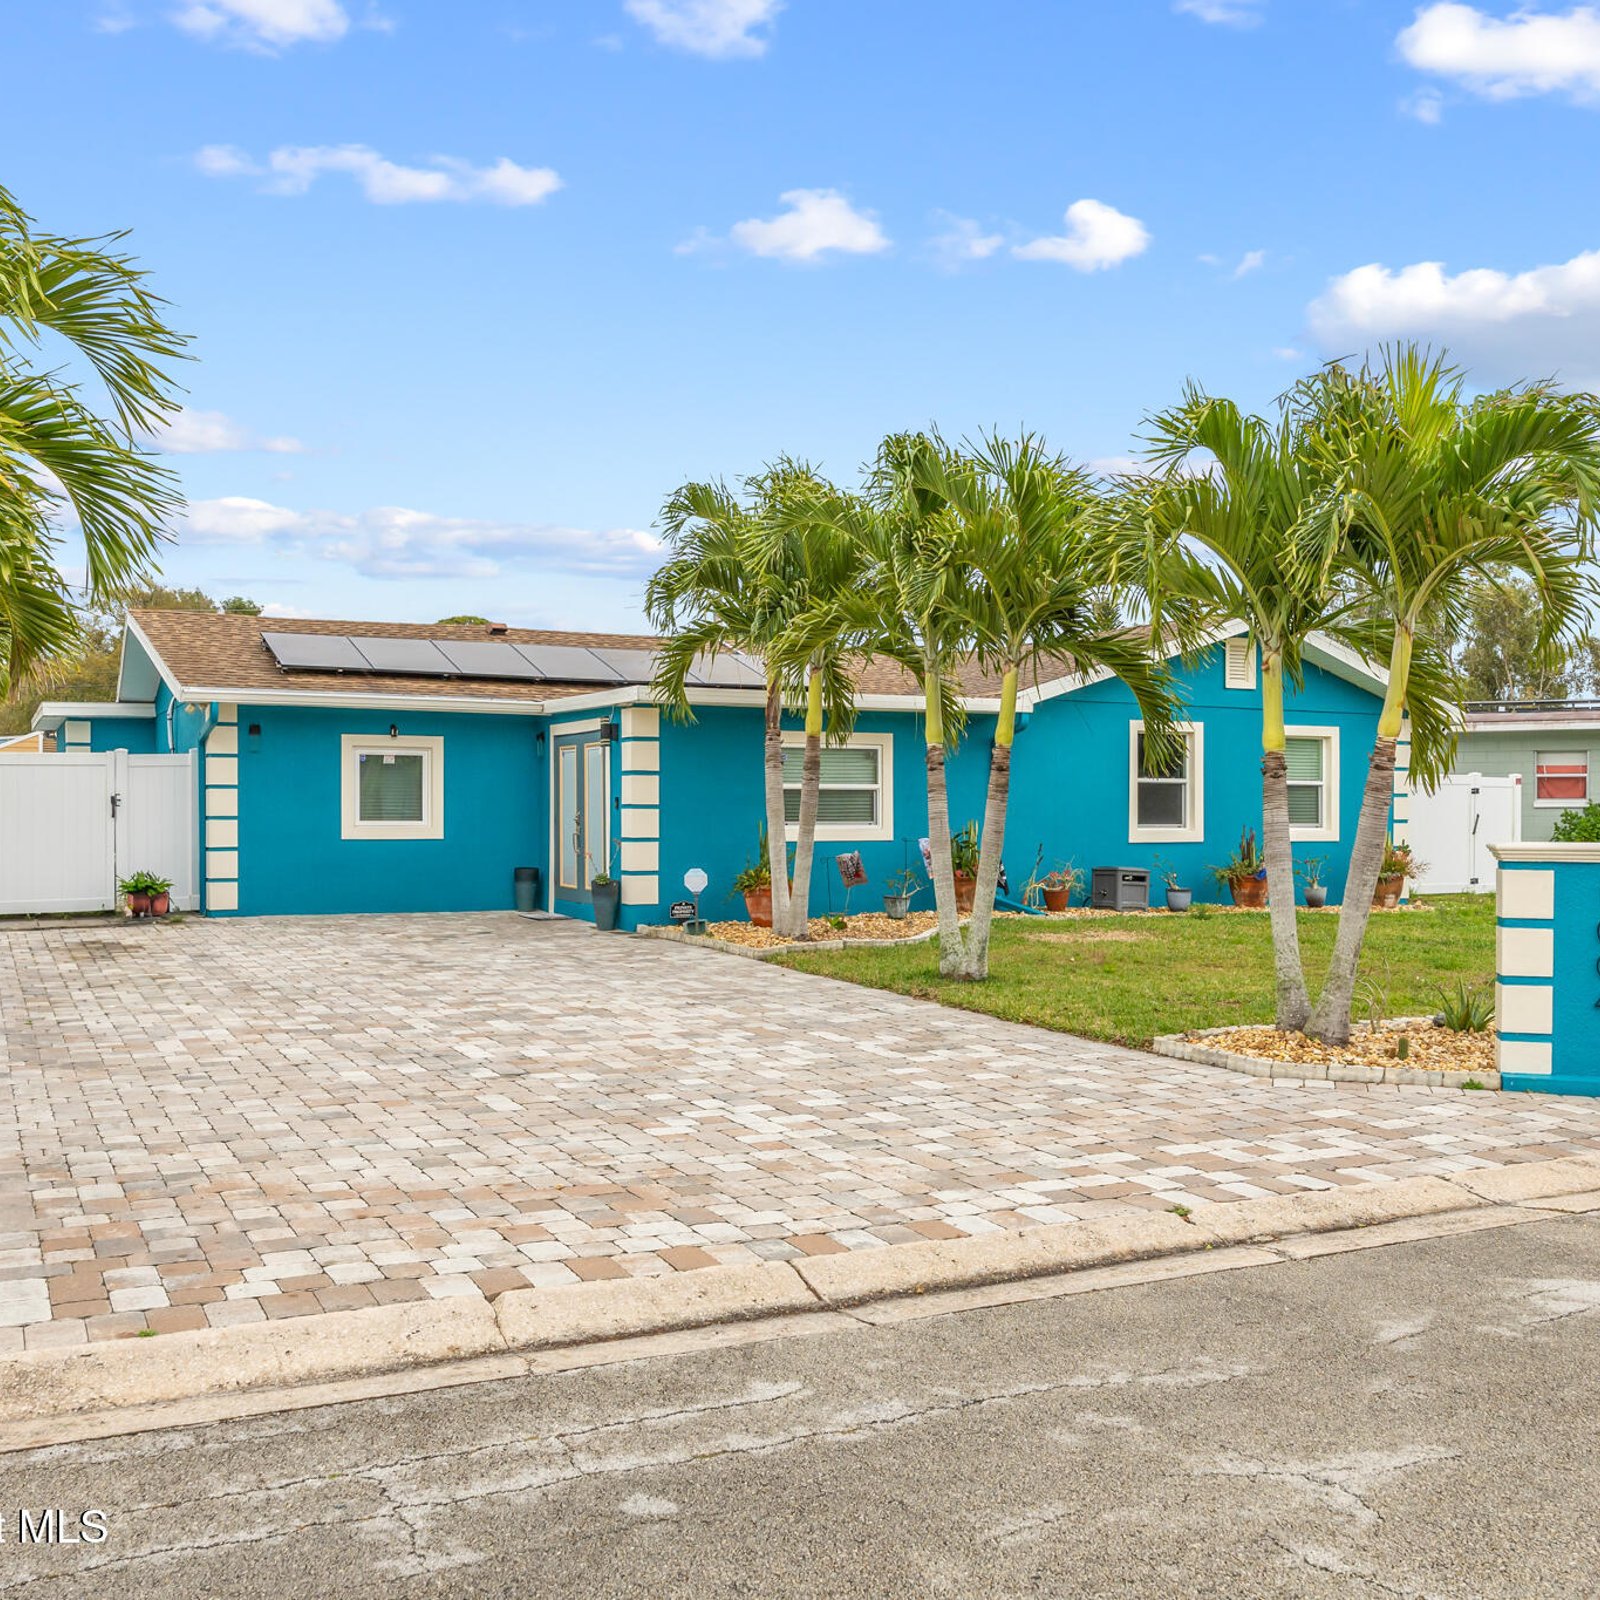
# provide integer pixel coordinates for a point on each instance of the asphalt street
(1417, 1420)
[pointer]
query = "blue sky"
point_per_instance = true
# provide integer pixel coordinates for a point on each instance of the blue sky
(474, 284)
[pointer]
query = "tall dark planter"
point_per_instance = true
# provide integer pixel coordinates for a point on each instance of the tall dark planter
(606, 897)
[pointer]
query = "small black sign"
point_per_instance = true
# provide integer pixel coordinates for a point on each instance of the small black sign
(683, 911)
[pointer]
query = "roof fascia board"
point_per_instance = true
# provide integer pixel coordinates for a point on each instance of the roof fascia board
(130, 627)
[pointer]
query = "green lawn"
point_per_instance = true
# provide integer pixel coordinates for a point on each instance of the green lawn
(1129, 978)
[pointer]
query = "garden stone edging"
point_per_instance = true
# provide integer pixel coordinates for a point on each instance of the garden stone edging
(1186, 1047)
(108, 1377)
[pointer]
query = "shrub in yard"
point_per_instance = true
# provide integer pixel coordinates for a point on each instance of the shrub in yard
(1465, 1009)
(1579, 826)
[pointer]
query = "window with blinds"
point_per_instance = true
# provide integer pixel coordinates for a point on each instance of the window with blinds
(391, 787)
(1561, 777)
(851, 790)
(1308, 769)
(1163, 795)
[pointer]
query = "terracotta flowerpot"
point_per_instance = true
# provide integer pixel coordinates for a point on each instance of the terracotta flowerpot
(966, 892)
(758, 905)
(1388, 893)
(160, 904)
(139, 904)
(1057, 899)
(1250, 892)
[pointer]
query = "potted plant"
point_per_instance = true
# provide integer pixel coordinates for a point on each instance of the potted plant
(964, 864)
(1059, 885)
(902, 889)
(1245, 872)
(1398, 865)
(1178, 898)
(605, 894)
(754, 882)
(1309, 872)
(147, 895)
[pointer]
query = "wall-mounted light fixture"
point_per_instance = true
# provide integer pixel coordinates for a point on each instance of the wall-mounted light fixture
(394, 731)
(538, 739)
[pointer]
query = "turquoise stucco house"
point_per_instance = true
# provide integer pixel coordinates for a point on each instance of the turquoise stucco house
(351, 767)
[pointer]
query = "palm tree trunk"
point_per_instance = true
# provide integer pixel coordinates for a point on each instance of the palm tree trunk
(1330, 1021)
(951, 951)
(777, 829)
(1294, 1004)
(976, 964)
(806, 833)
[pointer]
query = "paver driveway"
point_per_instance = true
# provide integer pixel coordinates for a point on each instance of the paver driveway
(218, 1122)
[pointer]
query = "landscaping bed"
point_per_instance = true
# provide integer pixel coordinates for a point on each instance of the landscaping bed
(1434, 1055)
(874, 925)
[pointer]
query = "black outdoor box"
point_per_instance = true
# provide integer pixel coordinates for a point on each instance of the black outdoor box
(1120, 889)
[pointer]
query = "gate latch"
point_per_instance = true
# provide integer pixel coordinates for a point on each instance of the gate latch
(116, 800)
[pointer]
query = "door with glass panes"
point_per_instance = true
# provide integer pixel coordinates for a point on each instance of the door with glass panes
(581, 778)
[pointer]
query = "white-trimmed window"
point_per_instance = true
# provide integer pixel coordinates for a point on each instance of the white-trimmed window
(1561, 778)
(391, 788)
(1167, 805)
(856, 797)
(1312, 757)
(1239, 663)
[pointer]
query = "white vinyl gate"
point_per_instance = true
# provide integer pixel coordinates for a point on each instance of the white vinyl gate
(1452, 828)
(71, 825)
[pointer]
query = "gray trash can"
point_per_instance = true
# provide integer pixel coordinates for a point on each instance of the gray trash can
(525, 888)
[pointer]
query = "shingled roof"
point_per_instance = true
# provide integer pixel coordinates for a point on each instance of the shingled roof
(225, 651)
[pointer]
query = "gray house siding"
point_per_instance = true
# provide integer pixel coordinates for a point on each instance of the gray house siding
(1512, 752)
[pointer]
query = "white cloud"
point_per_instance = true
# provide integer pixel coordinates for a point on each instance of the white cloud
(1529, 52)
(1289, 352)
(1426, 105)
(1097, 236)
(1230, 13)
(292, 169)
(1512, 325)
(200, 433)
(715, 28)
(817, 222)
(396, 542)
(962, 241)
(264, 24)
(1250, 261)
(277, 608)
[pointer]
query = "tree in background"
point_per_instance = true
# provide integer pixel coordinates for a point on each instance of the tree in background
(65, 455)
(236, 605)
(90, 671)
(462, 622)
(1498, 655)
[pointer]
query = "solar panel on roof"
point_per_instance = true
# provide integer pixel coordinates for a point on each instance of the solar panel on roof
(315, 652)
(726, 670)
(565, 663)
(636, 666)
(406, 657)
(478, 658)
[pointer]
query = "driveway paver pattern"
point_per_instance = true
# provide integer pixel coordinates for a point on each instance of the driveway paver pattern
(209, 1123)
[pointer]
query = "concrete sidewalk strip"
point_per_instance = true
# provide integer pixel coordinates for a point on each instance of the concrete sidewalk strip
(358, 1345)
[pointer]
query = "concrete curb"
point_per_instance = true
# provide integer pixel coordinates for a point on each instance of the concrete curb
(1189, 1047)
(359, 1346)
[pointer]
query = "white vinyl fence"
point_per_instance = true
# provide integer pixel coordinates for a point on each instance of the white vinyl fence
(1453, 826)
(71, 825)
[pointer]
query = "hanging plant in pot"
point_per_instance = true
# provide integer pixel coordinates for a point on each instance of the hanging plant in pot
(1245, 873)
(1309, 872)
(964, 864)
(900, 891)
(1178, 898)
(146, 894)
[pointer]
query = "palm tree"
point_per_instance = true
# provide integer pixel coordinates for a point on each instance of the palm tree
(1247, 513)
(1044, 560)
(56, 452)
(714, 593)
(741, 575)
(1437, 490)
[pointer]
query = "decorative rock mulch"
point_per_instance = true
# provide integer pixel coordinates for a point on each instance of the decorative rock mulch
(867, 929)
(1436, 1057)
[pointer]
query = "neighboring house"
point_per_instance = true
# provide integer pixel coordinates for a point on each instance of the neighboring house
(351, 766)
(1552, 745)
(25, 744)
